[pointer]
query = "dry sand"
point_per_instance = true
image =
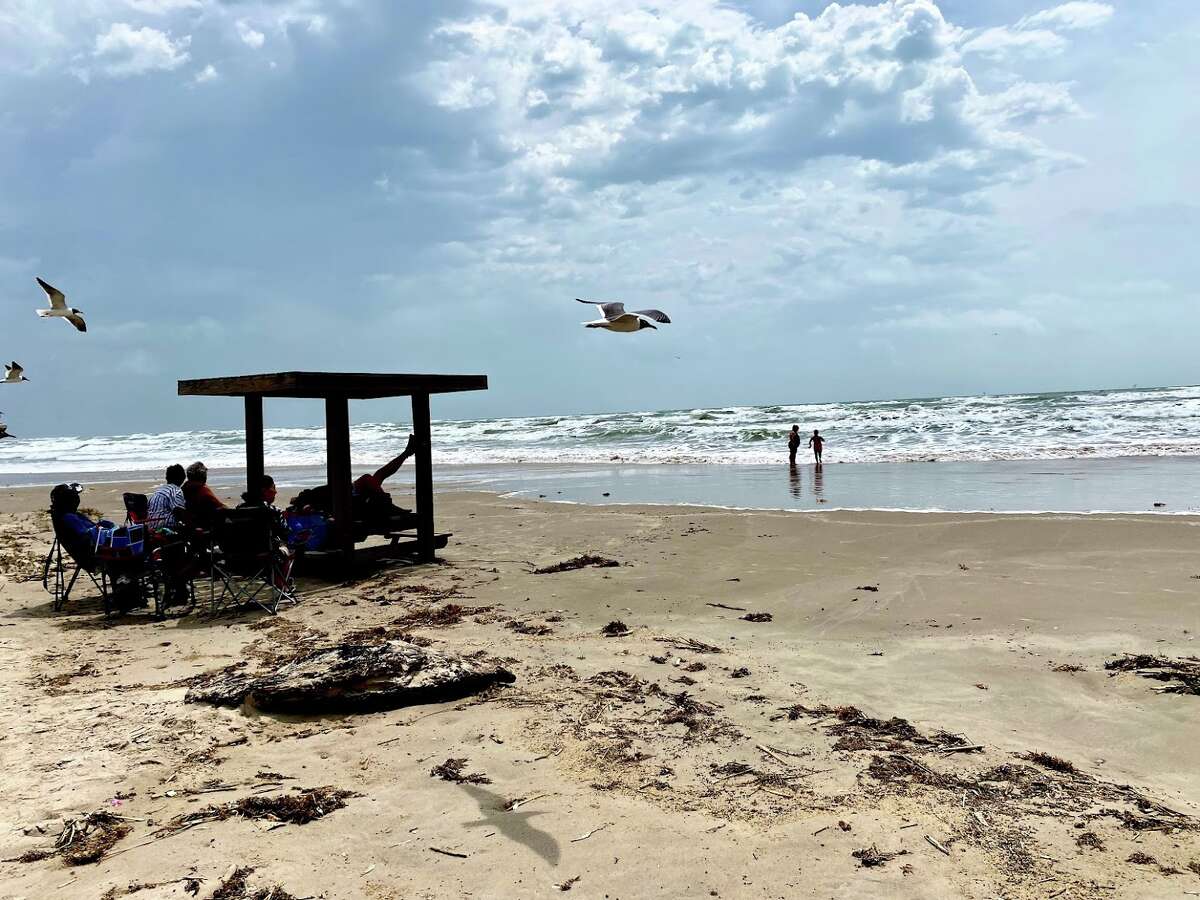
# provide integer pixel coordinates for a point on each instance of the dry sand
(649, 769)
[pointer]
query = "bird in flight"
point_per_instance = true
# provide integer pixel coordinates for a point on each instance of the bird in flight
(616, 319)
(59, 309)
(12, 374)
(4, 430)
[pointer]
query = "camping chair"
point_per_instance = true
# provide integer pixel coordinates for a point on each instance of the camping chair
(56, 568)
(117, 565)
(137, 509)
(245, 562)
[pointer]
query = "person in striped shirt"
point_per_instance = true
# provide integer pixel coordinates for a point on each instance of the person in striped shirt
(166, 500)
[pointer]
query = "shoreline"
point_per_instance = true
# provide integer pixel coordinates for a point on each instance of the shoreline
(1129, 485)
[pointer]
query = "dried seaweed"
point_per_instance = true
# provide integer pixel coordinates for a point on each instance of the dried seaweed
(615, 628)
(298, 808)
(452, 770)
(757, 617)
(579, 562)
(83, 841)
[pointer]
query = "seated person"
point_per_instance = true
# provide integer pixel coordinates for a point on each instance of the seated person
(79, 536)
(77, 533)
(371, 503)
(202, 503)
(167, 501)
(264, 498)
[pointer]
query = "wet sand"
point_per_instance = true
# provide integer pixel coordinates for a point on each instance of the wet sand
(656, 771)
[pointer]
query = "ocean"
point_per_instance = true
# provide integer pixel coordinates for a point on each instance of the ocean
(674, 455)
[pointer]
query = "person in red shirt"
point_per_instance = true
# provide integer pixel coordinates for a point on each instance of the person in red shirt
(202, 503)
(816, 442)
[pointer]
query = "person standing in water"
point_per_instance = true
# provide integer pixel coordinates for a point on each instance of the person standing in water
(816, 442)
(793, 444)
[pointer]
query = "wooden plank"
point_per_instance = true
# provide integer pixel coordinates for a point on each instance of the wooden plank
(356, 385)
(254, 443)
(337, 473)
(424, 476)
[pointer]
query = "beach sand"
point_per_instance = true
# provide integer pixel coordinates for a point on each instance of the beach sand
(649, 769)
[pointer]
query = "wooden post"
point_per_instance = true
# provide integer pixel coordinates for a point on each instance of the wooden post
(337, 473)
(254, 443)
(424, 477)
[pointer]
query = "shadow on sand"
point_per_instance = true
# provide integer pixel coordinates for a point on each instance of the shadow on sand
(513, 824)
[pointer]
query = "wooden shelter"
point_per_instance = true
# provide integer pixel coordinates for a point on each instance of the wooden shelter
(337, 389)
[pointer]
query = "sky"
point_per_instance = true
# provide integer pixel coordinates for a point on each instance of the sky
(831, 201)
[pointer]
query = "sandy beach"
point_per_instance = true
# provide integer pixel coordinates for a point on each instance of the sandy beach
(924, 712)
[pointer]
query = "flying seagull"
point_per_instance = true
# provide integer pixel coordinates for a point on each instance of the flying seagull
(616, 319)
(59, 309)
(4, 430)
(12, 374)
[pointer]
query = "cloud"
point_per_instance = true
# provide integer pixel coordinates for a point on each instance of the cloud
(249, 36)
(1070, 16)
(124, 50)
(208, 73)
(1037, 34)
(579, 100)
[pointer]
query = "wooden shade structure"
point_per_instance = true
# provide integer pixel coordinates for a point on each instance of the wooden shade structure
(337, 389)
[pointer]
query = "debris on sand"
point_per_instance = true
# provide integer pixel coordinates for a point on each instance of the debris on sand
(1089, 841)
(568, 884)
(1138, 858)
(757, 617)
(579, 562)
(873, 588)
(234, 887)
(873, 856)
(1051, 762)
(742, 672)
(1182, 675)
(857, 731)
(615, 628)
(689, 644)
(438, 616)
(530, 628)
(351, 678)
(452, 770)
(298, 808)
(83, 841)
(1067, 667)
(695, 667)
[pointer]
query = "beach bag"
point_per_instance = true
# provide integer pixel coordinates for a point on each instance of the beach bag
(120, 543)
(309, 531)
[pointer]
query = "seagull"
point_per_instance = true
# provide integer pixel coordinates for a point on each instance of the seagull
(4, 430)
(59, 309)
(616, 319)
(12, 374)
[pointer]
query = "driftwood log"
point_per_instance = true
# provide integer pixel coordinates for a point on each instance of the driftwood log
(351, 678)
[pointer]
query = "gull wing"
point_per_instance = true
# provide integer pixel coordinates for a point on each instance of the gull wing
(656, 314)
(15, 369)
(610, 311)
(77, 321)
(58, 300)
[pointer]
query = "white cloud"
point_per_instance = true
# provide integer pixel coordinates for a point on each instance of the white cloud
(1070, 16)
(1037, 34)
(249, 36)
(586, 94)
(208, 73)
(125, 50)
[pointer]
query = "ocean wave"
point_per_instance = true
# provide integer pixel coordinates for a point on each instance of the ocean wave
(1080, 424)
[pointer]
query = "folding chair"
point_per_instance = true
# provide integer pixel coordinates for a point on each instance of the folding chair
(118, 567)
(247, 562)
(137, 509)
(55, 566)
